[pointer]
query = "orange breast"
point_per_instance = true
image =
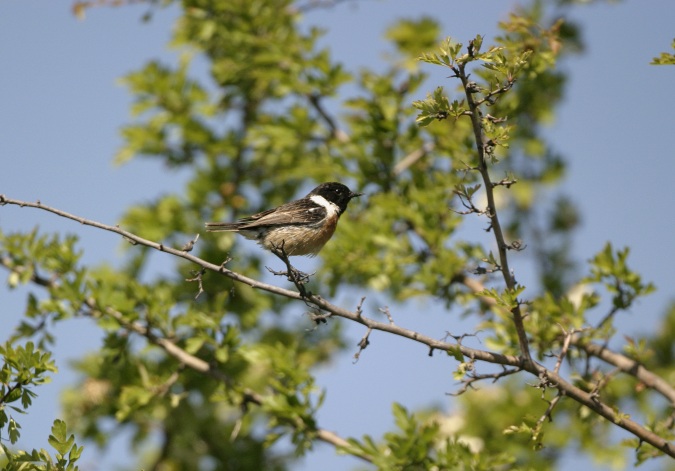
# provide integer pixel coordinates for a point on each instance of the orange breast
(301, 240)
(322, 236)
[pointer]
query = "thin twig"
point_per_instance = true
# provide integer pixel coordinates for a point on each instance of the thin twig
(565, 347)
(198, 275)
(339, 442)
(336, 132)
(549, 410)
(386, 312)
(410, 159)
(467, 383)
(359, 307)
(604, 379)
(321, 318)
(164, 388)
(189, 245)
(316, 4)
(608, 317)
(629, 366)
(363, 343)
(483, 147)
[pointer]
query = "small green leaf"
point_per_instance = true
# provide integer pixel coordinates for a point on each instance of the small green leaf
(13, 280)
(456, 352)
(13, 429)
(59, 440)
(665, 58)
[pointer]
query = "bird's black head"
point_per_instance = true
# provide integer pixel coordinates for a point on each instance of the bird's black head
(335, 193)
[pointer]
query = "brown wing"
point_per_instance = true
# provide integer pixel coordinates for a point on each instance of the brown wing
(298, 212)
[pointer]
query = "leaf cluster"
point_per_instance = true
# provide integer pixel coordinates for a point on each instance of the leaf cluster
(225, 371)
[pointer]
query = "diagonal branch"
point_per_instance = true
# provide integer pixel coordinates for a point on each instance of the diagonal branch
(336, 132)
(620, 361)
(412, 158)
(201, 366)
(629, 366)
(547, 377)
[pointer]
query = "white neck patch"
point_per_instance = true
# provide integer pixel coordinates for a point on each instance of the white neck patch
(332, 209)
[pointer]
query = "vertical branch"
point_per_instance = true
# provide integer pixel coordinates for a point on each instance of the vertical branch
(481, 144)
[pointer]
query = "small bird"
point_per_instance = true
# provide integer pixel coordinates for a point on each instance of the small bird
(301, 227)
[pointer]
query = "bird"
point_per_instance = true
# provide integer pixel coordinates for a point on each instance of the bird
(300, 227)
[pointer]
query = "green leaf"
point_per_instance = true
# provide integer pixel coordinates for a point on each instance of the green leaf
(59, 439)
(447, 56)
(13, 429)
(435, 107)
(456, 352)
(665, 58)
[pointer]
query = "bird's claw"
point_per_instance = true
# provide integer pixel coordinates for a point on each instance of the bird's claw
(297, 277)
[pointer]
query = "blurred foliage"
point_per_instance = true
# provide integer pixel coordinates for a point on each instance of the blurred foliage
(665, 58)
(272, 118)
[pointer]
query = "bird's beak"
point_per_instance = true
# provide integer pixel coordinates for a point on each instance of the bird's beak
(354, 195)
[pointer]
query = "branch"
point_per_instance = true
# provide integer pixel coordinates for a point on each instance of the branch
(490, 98)
(316, 4)
(8, 263)
(481, 146)
(566, 346)
(199, 365)
(198, 277)
(547, 377)
(136, 240)
(336, 132)
(622, 362)
(292, 274)
(316, 300)
(475, 377)
(549, 411)
(629, 366)
(339, 442)
(610, 315)
(363, 344)
(410, 159)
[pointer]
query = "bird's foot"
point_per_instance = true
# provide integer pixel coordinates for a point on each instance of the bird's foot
(297, 277)
(292, 274)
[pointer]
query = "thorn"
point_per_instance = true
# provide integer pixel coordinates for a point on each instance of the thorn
(190, 244)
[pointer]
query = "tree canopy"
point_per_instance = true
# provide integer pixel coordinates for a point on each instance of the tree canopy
(212, 363)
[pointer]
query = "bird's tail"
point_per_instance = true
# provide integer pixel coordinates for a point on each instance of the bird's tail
(222, 226)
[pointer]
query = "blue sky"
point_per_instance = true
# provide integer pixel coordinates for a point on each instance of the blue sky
(62, 108)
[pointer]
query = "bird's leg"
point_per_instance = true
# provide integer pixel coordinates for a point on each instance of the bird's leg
(297, 277)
